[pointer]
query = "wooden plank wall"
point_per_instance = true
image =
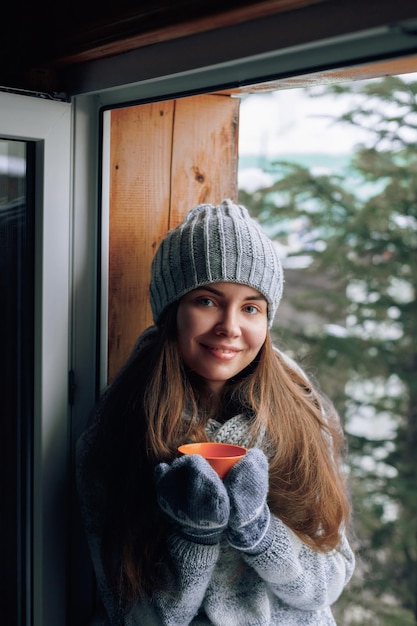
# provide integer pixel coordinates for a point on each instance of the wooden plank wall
(165, 158)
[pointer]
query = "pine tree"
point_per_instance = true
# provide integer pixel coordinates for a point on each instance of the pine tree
(363, 231)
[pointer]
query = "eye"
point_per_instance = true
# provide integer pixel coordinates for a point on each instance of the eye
(205, 301)
(251, 309)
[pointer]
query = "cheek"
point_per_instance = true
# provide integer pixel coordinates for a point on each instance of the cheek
(260, 341)
(186, 329)
(182, 341)
(191, 321)
(258, 334)
(185, 323)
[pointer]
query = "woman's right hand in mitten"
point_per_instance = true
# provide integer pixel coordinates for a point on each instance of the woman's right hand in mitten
(250, 528)
(192, 495)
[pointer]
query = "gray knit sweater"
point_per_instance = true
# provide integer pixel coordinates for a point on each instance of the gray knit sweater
(289, 583)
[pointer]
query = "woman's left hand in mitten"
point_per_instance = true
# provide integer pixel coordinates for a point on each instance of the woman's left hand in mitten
(249, 528)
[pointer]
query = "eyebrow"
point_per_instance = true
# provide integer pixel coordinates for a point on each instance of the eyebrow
(217, 292)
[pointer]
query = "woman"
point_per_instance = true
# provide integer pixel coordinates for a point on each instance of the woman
(170, 541)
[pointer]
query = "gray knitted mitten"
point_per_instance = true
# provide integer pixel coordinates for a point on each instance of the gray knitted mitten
(192, 495)
(250, 528)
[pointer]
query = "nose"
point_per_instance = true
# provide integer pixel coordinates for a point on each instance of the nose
(228, 323)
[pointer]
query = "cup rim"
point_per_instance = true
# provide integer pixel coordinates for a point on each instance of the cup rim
(234, 451)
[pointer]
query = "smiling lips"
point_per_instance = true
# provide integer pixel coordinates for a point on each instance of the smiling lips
(222, 352)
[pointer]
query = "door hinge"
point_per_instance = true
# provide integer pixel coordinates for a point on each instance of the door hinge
(71, 387)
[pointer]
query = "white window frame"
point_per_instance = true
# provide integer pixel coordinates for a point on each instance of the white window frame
(48, 124)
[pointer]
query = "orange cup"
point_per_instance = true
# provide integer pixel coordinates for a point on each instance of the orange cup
(221, 456)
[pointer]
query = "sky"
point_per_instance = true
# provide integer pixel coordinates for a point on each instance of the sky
(288, 121)
(291, 122)
(284, 123)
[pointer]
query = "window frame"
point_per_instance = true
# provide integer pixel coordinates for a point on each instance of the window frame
(48, 125)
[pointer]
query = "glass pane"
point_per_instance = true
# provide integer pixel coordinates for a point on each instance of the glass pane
(16, 376)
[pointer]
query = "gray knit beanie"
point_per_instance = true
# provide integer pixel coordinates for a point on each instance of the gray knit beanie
(215, 244)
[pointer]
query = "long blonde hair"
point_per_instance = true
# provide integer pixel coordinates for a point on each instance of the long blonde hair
(142, 424)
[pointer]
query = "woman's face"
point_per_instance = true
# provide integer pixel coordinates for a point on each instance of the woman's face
(221, 328)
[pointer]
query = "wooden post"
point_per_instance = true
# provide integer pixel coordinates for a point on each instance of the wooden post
(165, 158)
